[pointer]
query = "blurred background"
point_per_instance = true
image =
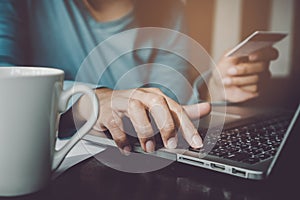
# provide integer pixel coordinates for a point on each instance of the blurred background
(219, 25)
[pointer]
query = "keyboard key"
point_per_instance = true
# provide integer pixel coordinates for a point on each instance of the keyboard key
(250, 143)
(264, 156)
(238, 156)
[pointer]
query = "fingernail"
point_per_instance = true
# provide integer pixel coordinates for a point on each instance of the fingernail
(127, 150)
(197, 141)
(172, 143)
(226, 81)
(232, 71)
(150, 146)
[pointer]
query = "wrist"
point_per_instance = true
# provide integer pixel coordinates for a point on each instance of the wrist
(215, 90)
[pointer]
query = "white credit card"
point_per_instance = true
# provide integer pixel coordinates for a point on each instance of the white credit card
(256, 41)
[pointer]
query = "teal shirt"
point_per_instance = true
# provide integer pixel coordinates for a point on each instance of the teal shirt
(62, 34)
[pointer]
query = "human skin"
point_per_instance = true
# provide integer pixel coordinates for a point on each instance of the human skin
(239, 82)
(239, 77)
(137, 104)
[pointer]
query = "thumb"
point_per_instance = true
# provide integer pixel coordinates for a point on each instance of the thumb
(195, 111)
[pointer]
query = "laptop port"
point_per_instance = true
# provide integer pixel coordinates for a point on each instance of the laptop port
(238, 172)
(217, 166)
(187, 160)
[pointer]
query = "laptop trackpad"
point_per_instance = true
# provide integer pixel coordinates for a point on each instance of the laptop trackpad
(221, 115)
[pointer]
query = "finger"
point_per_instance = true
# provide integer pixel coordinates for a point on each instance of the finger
(248, 68)
(115, 126)
(140, 121)
(196, 111)
(266, 54)
(189, 132)
(240, 80)
(158, 108)
(250, 88)
(182, 121)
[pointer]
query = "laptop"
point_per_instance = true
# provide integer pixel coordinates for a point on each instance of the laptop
(243, 140)
(247, 144)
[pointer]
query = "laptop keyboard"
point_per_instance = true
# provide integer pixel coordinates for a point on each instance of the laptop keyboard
(251, 143)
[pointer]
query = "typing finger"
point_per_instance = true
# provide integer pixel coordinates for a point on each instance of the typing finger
(196, 111)
(159, 110)
(115, 126)
(140, 121)
(182, 121)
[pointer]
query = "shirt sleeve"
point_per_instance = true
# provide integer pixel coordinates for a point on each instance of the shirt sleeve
(12, 32)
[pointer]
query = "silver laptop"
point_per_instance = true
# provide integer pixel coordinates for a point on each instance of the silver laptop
(246, 145)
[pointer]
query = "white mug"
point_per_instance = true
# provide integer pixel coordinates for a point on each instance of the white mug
(31, 101)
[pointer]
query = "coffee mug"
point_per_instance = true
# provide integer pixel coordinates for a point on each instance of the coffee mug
(31, 102)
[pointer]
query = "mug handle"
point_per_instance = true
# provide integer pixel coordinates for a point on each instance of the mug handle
(60, 154)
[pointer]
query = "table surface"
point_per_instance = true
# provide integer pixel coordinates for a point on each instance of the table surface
(91, 179)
